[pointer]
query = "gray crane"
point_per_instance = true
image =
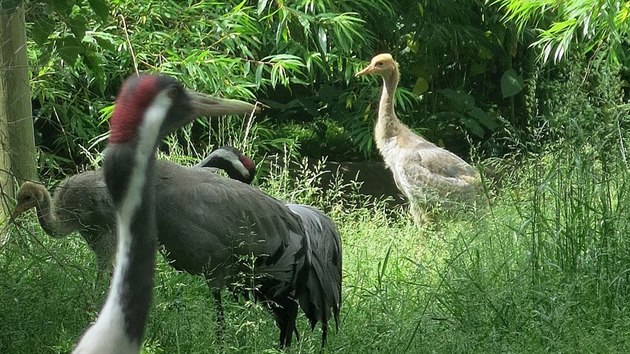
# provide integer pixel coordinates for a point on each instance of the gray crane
(426, 174)
(147, 108)
(212, 226)
(81, 203)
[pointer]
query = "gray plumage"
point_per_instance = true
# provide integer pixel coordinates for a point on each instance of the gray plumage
(148, 107)
(325, 285)
(211, 225)
(82, 204)
(232, 222)
(425, 173)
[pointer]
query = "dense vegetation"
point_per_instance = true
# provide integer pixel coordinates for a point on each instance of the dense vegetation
(460, 77)
(530, 91)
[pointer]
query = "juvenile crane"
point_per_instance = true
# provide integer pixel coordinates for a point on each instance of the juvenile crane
(426, 174)
(147, 108)
(81, 203)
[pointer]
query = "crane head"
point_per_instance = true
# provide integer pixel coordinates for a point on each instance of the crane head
(379, 65)
(237, 165)
(29, 196)
(162, 103)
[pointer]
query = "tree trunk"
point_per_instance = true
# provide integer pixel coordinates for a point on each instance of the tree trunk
(17, 142)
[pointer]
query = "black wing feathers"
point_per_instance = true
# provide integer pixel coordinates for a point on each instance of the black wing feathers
(322, 296)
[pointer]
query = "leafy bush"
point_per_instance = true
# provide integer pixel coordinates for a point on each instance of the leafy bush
(462, 78)
(79, 59)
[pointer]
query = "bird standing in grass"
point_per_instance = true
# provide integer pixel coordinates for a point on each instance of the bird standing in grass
(214, 226)
(81, 203)
(426, 174)
(147, 108)
(210, 225)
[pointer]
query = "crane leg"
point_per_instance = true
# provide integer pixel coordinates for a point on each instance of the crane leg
(419, 214)
(104, 251)
(285, 312)
(218, 307)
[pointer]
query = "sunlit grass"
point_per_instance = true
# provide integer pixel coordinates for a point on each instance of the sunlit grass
(496, 281)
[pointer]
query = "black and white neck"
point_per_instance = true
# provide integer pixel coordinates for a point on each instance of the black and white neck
(233, 162)
(128, 167)
(147, 108)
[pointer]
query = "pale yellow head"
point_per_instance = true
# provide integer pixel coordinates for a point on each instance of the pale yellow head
(382, 64)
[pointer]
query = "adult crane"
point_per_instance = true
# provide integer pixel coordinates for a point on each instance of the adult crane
(425, 173)
(209, 225)
(147, 108)
(212, 226)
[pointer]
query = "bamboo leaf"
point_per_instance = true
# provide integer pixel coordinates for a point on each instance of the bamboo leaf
(484, 118)
(262, 4)
(421, 86)
(69, 48)
(474, 127)
(322, 40)
(101, 8)
(42, 28)
(258, 76)
(78, 26)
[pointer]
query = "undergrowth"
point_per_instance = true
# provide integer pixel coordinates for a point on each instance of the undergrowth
(543, 269)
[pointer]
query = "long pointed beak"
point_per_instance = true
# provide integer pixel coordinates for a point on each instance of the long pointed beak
(205, 105)
(367, 70)
(16, 212)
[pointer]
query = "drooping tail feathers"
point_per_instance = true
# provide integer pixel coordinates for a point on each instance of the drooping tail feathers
(321, 297)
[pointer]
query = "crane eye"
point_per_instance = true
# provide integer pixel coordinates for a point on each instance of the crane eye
(173, 92)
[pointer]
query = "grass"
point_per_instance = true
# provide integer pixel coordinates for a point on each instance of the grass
(544, 269)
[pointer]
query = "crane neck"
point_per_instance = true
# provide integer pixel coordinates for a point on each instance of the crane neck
(129, 176)
(390, 84)
(230, 163)
(134, 198)
(388, 124)
(141, 252)
(47, 219)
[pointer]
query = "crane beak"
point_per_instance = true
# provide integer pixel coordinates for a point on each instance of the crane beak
(367, 70)
(19, 209)
(204, 105)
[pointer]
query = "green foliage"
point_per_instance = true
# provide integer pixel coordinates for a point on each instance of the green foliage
(511, 83)
(545, 270)
(297, 59)
(467, 77)
(583, 26)
(80, 56)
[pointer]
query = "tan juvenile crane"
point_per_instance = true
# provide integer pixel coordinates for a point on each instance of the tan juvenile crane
(426, 174)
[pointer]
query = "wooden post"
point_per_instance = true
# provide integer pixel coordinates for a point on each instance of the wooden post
(17, 142)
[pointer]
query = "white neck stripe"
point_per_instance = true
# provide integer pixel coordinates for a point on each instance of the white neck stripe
(109, 327)
(233, 160)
